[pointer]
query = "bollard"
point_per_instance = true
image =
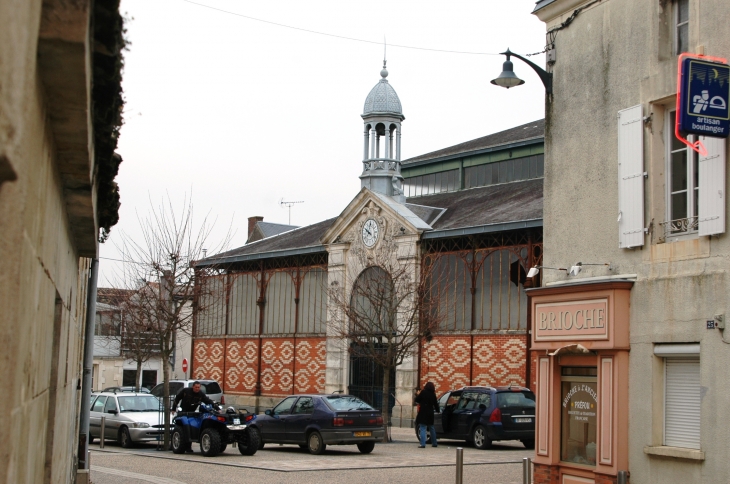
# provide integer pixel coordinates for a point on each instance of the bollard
(526, 467)
(621, 477)
(101, 435)
(459, 465)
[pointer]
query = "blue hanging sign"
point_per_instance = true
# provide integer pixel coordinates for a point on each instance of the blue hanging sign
(704, 96)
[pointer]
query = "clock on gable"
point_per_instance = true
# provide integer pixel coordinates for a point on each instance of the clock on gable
(370, 232)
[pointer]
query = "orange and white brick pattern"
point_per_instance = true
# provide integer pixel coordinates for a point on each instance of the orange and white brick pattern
(497, 360)
(288, 365)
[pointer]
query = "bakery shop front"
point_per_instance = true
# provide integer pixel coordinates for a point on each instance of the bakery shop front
(580, 341)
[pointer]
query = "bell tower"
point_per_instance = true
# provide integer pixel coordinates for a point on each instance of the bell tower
(382, 117)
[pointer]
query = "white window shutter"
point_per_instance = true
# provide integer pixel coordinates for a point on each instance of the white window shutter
(630, 177)
(712, 202)
(682, 403)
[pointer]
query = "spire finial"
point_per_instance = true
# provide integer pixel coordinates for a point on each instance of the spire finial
(384, 72)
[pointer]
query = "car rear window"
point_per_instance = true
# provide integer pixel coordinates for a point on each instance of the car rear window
(175, 387)
(146, 403)
(515, 399)
(212, 388)
(346, 402)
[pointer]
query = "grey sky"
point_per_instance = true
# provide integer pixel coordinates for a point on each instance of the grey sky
(243, 113)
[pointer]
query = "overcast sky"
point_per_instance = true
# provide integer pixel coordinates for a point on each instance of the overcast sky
(243, 114)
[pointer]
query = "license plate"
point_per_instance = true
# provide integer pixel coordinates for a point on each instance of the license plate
(236, 421)
(363, 434)
(523, 420)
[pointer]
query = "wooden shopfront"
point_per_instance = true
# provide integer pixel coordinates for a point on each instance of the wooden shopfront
(580, 338)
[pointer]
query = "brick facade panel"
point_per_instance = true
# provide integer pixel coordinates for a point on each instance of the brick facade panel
(288, 365)
(497, 360)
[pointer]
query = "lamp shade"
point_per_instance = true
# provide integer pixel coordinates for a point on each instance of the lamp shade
(507, 78)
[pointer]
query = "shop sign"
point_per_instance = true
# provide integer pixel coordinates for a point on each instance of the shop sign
(571, 321)
(704, 98)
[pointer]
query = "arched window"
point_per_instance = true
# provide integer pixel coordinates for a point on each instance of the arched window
(371, 304)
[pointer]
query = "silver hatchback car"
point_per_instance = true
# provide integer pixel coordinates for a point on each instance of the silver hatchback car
(130, 417)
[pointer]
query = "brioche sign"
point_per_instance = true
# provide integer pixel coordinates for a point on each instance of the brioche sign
(571, 321)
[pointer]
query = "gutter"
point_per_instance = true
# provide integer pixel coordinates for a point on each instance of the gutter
(483, 229)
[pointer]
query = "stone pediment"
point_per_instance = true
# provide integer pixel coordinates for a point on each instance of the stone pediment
(392, 218)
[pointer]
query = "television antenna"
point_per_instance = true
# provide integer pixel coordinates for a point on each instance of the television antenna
(288, 205)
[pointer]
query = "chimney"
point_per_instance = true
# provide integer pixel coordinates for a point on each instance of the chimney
(252, 224)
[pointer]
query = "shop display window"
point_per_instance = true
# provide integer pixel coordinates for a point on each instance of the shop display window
(579, 410)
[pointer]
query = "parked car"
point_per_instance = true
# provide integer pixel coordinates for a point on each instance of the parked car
(315, 421)
(130, 417)
(210, 387)
(481, 415)
(126, 389)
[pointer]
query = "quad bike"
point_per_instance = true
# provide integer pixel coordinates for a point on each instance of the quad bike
(214, 430)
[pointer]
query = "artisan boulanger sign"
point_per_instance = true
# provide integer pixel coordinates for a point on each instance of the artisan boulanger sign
(571, 321)
(704, 95)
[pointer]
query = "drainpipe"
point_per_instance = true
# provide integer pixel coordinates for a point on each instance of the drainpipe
(83, 452)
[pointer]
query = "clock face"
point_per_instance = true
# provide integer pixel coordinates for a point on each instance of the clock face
(370, 232)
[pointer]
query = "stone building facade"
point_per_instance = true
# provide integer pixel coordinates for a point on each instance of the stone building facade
(60, 100)
(624, 193)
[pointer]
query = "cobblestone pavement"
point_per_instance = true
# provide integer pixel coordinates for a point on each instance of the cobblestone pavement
(400, 461)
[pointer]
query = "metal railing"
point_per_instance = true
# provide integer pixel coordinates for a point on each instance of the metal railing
(680, 226)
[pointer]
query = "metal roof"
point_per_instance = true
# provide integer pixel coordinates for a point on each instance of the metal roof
(529, 133)
(382, 99)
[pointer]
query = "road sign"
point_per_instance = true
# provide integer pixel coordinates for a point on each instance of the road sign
(185, 365)
(704, 98)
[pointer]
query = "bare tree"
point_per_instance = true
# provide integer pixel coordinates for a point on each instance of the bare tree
(170, 244)
(137, 339)
(385, 312)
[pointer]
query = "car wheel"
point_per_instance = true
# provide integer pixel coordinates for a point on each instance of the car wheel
(250, 443)
(428, 435)
(366, 447)
(223, 447)
(480, 439)
(528, 443)
(315, 444)
(210, 442)
(125, 440)
(177, 440)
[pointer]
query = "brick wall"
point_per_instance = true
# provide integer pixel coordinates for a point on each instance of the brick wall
(456, 361)
(288, 365)
(543, 474)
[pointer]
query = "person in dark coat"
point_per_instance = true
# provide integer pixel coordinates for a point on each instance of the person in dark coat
(428, 404)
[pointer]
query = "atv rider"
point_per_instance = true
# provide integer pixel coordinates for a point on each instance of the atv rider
(190, 397)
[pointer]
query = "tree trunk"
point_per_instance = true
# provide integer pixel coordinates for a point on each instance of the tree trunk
(166, 385)
(385, 403)
(138, 376)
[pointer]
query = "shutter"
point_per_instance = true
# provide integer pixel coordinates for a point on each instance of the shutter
(711, 208)
(630, 178)
(682, 402)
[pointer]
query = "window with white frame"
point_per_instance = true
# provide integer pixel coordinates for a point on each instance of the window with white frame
(681, 26)
(681, 394)
(682, 183)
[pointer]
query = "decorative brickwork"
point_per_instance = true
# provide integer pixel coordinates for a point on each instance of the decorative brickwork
(497, 360)
(208, 357)
(288, 365)
(241, 366)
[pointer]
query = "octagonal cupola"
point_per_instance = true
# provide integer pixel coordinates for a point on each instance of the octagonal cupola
(382, 116)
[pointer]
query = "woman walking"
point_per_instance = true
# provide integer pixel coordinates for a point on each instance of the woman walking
(427, 405)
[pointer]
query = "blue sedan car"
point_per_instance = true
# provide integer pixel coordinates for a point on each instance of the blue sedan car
(315, 421)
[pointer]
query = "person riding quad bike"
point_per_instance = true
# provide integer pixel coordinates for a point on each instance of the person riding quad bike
(214, 430)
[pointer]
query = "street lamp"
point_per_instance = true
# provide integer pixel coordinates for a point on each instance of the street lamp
(509, 79)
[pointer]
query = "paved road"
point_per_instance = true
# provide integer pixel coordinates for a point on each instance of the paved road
(400, 461)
